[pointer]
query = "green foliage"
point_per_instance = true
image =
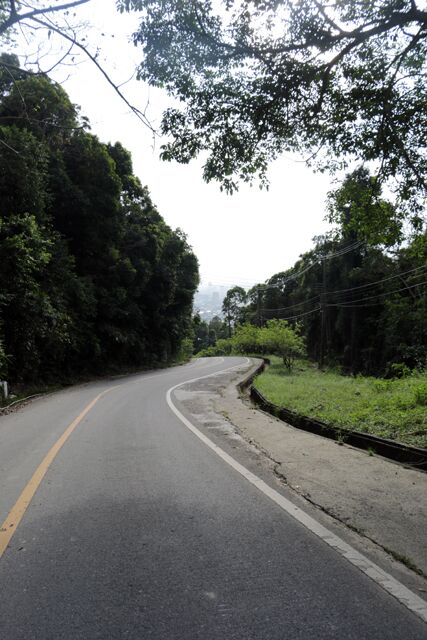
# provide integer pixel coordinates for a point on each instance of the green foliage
(92, 277)
(232, 306)
(279, 338)
(389, 408)
(373, 300)
(420, 393)
(360, 212)
(253, 79)
(23, 172)
(397, 370)
(186, 350)
(223, 347)
(246, 339)
(206, 334)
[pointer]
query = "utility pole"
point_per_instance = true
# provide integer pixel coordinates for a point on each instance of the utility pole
(322, 316)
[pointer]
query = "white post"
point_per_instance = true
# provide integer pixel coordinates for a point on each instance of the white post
(4, 389)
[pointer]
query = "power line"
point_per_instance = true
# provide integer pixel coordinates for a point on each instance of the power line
(355, 306)
(351, 303)
(301, 315)
(329, 256)
(371, 284)
(294, 317)
(344, 250)
(297, 304)
(378, 295)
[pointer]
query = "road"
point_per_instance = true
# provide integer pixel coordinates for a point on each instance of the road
(139, 530)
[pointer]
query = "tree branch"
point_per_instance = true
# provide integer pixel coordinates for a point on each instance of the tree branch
(327, 18)
(9, 147)
(15, 17)
(91, 57)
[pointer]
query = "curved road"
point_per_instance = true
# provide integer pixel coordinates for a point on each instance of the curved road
(139, 530)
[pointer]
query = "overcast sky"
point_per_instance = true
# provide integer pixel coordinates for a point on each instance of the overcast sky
(239, 239)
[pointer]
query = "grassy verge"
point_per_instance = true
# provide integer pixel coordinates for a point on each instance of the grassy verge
(395, 409)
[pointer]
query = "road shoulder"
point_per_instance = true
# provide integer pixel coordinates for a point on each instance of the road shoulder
(378, 505)
(379, 499)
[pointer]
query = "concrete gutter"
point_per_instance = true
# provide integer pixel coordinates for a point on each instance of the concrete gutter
(415, 457)
(377, 498)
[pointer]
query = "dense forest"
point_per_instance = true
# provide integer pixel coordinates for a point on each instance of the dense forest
(92, 278)
(358, 298)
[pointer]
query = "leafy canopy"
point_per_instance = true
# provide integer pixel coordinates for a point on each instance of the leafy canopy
(92, 276)
(359, 210)
(279, 338)
(232, 304)
(340, 81)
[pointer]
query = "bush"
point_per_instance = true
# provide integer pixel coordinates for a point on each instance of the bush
(186, 349)
(420, 393)
(397, 371)
(279, 338)
(246, 339)
(223, 347)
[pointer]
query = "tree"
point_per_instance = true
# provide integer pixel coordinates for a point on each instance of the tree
(279, 338)
(201, 333)
(246, 339)
(92, 277)
(361, 213)
(338, 81)
(58, 21)
(218, 326)
(35, 319)
(14, 12)
(232, 306)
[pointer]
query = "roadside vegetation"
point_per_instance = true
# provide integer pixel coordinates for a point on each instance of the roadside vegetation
(394, 408)
(93, 281)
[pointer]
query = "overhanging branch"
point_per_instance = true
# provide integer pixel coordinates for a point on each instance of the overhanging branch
(15, 17)
(93, 59)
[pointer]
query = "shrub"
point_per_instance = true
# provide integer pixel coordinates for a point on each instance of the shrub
(246, 339)
(420, 393)
(223, 347)
(397, 370)
(279, 338)
(186, 349)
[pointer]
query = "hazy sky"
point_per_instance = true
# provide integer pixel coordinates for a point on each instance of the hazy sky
(239, 239)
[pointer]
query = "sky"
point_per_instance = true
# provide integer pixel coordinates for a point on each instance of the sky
(240, 239)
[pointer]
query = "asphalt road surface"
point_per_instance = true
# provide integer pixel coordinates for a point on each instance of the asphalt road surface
(139, 530)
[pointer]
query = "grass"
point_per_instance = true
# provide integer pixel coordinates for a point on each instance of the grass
(394, 409)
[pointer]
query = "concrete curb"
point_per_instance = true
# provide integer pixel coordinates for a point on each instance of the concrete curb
(415, 457)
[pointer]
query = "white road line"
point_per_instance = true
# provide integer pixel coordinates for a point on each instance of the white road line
(405, 596)
(158, 374)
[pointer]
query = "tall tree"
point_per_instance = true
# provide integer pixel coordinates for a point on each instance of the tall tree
(232, 306)
(92, 277)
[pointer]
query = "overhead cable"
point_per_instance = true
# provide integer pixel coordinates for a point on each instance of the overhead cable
(378, 295)
(371, 284)
(297, 304)
(297, 274)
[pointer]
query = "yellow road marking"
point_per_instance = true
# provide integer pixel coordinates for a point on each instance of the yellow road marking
(17, 512)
